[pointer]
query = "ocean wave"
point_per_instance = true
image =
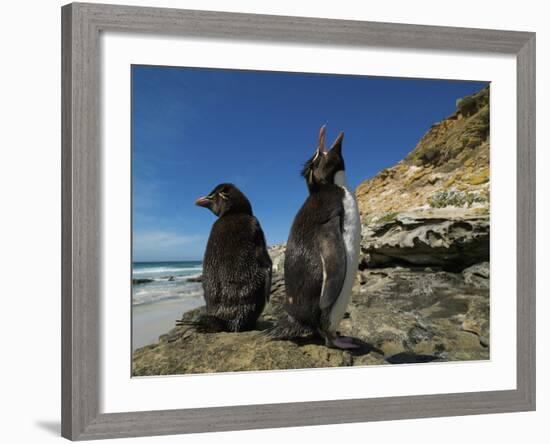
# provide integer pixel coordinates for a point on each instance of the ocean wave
(166, 270)
(177, 278)
(163, 293)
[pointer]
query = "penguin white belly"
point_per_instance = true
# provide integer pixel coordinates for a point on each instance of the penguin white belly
(352, 242)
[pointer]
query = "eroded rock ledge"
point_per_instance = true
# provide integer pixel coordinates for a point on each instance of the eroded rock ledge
(449, 238)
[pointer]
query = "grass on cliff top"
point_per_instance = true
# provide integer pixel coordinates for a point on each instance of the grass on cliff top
(457, 137)
(453, 198)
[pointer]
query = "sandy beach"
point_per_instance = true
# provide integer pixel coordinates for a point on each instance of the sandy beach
(153, 320)
(161, 293)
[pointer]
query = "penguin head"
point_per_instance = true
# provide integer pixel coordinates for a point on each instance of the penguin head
(325, 166)
(226, 198)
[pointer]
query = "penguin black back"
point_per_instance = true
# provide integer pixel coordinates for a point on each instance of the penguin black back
(303, 258)
(236, 266)
(322, 251)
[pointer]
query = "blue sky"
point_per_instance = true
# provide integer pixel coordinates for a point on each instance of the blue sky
(195, 128)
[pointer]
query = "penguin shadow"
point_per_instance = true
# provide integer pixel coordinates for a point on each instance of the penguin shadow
(411, 358)
(363, 348)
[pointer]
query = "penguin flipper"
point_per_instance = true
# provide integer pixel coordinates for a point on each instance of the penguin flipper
(204, 324)
(333, 259)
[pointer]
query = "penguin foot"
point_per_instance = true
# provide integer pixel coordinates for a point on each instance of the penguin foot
(204, 324)
(342, 343)
(287, 328)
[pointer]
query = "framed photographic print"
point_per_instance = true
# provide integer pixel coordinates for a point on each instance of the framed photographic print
(278, 221)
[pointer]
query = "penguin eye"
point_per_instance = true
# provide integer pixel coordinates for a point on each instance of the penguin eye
(223, 195)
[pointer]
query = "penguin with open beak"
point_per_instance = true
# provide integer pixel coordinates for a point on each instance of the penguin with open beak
(322, 252)
(236, 266)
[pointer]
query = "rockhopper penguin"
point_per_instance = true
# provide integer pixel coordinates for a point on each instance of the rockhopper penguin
(322, 252)
(236, 266)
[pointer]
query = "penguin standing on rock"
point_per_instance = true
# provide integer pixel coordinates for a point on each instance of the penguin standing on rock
(236, 266)
(322, 252)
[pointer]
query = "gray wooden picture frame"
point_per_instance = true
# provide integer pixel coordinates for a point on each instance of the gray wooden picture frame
(81, 172)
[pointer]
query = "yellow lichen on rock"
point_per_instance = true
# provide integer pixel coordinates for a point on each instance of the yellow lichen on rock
(480, 178)
(453, 155)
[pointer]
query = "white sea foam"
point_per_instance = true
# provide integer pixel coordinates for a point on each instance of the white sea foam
(168, 282)
(144, 297)
(163, 290)
(165, 270)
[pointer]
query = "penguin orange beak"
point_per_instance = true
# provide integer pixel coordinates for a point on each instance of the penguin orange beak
(203, 202)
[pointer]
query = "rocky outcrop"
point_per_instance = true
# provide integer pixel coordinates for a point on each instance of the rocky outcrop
(425, 243)
(141, 281)
(403, 314)
(422, 288)
(408, 311)
(432, 208)
(183, 350)
(449, 167)
(277, 254)
(449, 238)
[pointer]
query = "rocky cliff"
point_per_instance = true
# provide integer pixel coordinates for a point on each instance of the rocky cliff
(422, 288)
(449, 167)
(432, 208)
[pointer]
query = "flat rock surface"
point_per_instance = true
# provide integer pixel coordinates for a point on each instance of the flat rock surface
(403, 315)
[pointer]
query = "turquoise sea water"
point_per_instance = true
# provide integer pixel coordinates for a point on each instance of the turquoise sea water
(169, 282)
